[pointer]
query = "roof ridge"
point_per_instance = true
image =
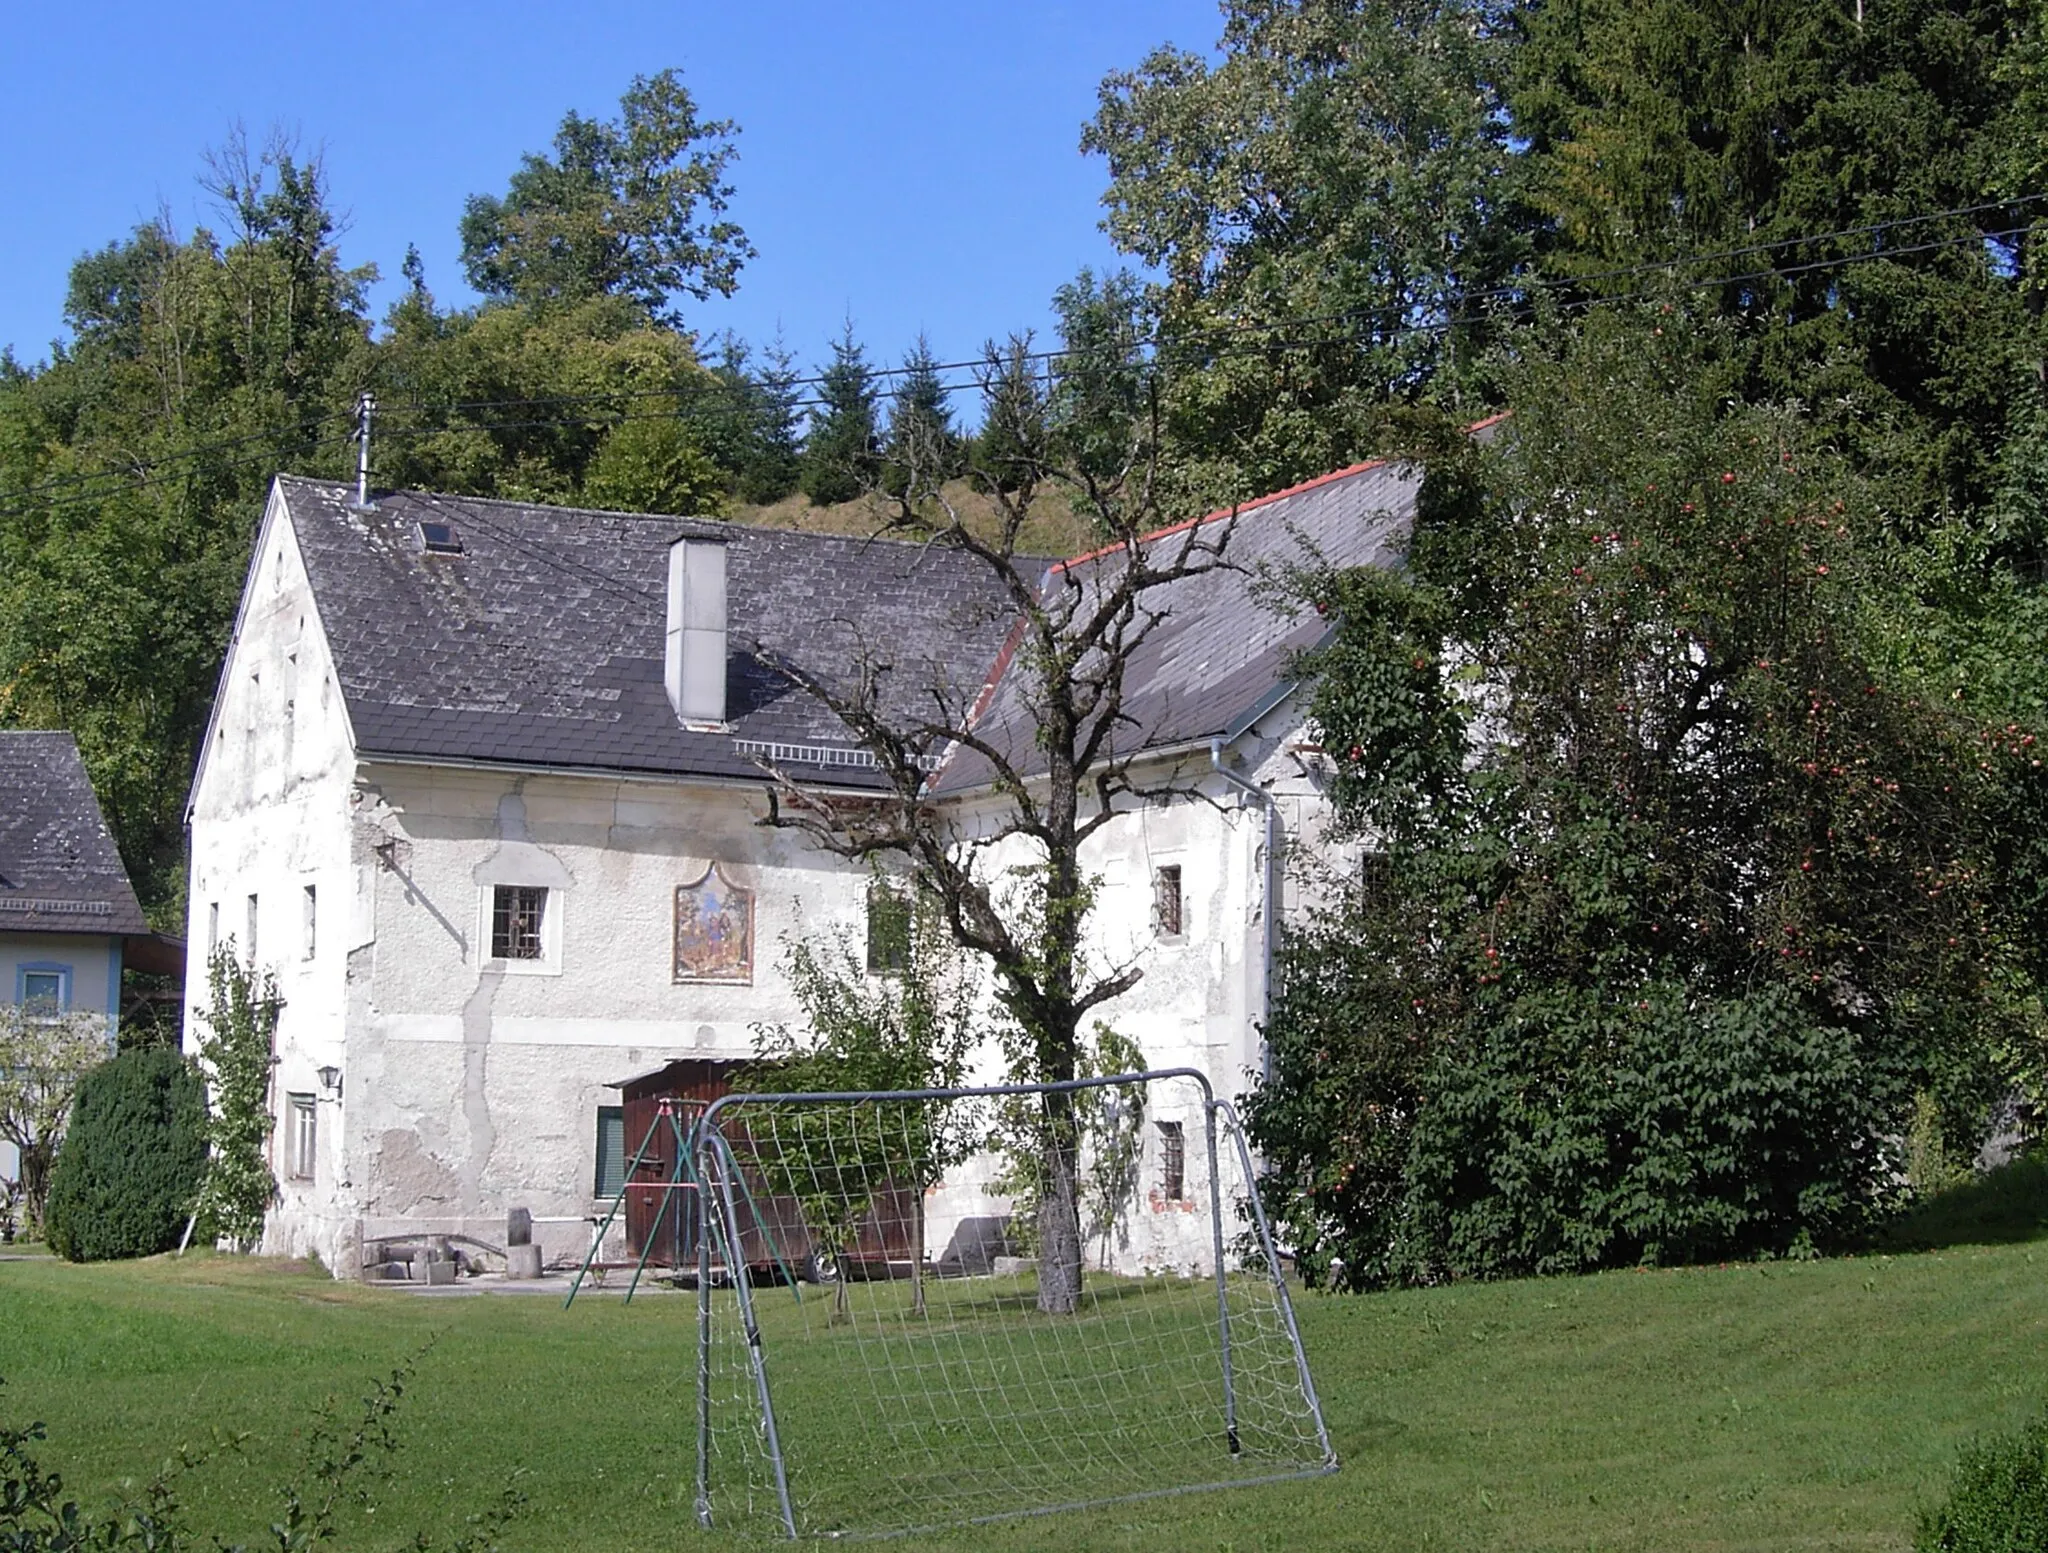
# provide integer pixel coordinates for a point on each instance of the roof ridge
(643, 517)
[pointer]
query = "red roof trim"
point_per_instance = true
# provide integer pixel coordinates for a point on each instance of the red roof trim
(1226, 512)
(1260, 501)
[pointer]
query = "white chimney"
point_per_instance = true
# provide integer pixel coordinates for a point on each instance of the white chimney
(693, 667)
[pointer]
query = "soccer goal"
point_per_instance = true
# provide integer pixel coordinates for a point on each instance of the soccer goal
(941, 1306)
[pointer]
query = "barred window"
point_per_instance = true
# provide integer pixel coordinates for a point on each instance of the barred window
(516, 914)
(1173, 1161)
(1167, 914)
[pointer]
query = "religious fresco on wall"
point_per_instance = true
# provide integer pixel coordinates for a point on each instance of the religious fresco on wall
(715, 930)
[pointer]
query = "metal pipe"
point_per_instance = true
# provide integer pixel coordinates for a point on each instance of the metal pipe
(364, 407)
(1270, 942)
(1222, 1280)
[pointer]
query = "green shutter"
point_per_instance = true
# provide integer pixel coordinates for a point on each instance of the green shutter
(611, 1150)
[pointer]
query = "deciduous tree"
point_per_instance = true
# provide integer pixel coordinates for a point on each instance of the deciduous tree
(632, 207)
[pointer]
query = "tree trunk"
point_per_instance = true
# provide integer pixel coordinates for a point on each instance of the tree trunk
(35, 1184)
(1059, 1220)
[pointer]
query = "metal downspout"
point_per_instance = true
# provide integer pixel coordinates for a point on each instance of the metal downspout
(1270, 905)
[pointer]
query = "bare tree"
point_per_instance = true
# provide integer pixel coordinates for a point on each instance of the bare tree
(1046, 738)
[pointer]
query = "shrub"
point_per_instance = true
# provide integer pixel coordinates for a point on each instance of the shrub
(1678, 1129)
(131, 1162)
(1998, 1500)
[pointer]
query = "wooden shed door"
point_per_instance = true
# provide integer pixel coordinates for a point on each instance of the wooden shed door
(661, 1218)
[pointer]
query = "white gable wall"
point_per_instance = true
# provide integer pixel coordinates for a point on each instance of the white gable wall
(269, 820)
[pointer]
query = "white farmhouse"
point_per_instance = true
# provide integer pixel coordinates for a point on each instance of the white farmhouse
(483, 788)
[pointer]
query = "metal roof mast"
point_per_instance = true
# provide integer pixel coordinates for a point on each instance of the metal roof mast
(366, 406)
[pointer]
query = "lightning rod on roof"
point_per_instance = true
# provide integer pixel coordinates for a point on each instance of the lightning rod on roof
(365, 406)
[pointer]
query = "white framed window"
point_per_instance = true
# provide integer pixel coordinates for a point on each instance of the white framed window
(302, 1135)
(522, 929)
(309, 917)
(212, 926)
(251, 923)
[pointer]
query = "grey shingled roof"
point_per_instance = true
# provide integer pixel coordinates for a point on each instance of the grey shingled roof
(1225, 641)
(541, 643)
(59, 870)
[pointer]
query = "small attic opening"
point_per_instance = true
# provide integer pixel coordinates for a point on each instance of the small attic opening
(439, 538)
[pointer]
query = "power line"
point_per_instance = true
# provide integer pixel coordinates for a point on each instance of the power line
(1236, 338)
(1495, 293)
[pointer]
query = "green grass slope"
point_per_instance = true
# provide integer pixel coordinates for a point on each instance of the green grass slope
(1813, 1405)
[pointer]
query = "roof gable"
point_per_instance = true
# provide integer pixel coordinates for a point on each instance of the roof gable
(59, 869)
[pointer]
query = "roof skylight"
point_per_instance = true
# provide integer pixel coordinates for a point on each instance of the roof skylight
(439, 538)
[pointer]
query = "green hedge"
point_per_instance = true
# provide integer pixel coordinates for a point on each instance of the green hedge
(1998, 1502)
(131, 1162)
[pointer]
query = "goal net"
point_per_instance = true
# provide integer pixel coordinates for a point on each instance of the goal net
(875, 1349)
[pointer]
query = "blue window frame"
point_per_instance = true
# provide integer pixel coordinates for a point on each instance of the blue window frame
(43, 987)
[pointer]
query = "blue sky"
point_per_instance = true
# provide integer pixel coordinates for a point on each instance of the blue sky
(913, 165)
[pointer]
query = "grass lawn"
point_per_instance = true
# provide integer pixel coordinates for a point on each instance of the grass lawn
(1809, 1405)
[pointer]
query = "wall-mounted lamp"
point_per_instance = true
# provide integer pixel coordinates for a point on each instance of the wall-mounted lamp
(330, 1080)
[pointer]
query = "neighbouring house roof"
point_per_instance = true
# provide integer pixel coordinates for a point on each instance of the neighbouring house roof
(1224, 645)
(540, 643)
(59, 869)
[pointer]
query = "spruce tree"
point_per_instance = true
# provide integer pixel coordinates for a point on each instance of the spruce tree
(1012, 440)
(839, 458)
(923, 449)
(774, 459)
(1657, 130)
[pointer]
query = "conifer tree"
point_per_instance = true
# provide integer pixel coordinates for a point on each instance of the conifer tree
(1012, 439)
(922, 448)
(774, 458)
(839, 458)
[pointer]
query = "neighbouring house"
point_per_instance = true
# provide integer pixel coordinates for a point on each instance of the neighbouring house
(483, 789)
(68, 916)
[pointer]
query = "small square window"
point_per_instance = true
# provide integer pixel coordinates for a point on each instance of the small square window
(310, 918)
(517, 911)
(1168, 917)
(303, 1138)
(1173, 1161)
(888, 930)
(43, 993)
